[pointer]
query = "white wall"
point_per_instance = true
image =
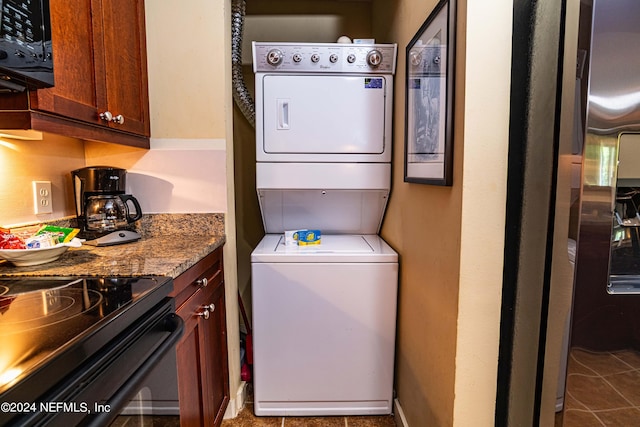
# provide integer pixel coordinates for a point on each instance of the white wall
(174, 176)
(486, 116)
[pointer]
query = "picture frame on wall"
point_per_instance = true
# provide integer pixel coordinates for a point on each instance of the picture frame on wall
(430, 70)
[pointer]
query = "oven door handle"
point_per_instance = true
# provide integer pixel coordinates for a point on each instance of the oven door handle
(174, 325)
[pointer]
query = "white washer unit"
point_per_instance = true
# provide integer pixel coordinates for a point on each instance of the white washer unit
(324, 316)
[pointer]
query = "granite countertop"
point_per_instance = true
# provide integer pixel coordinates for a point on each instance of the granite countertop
(170, 244)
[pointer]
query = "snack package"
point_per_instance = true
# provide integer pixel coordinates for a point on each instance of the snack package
(25, 232)
(45, 240)
(309, 237)
(291, 237)
(10, 241)
(60, 234)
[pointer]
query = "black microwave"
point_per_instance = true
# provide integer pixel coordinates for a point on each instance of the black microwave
(26, 59)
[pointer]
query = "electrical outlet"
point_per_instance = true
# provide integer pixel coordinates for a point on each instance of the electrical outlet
(42, 202)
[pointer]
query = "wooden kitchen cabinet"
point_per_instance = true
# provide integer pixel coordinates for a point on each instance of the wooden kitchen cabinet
(100, 73)
(203, 374)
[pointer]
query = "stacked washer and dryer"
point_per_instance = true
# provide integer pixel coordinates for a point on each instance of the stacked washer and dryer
(324, 316)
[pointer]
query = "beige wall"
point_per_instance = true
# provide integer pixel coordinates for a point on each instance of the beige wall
(51, 159)
(186, 47)
(450, 239)
(423, 224)
(351, 18)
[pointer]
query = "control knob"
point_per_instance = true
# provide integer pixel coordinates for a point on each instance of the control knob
(351, 58)
(274, 57)
(315, 58)
(415, 57)
(374, 58)
(333, 58)
(297, 57)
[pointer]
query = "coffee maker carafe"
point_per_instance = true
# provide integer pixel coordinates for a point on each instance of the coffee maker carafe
(105, 213)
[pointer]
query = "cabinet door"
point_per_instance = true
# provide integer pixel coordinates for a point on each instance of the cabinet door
(217, 354)
(125, 65)
(195, 410)
(202, 359)
(99, 50)
(74, 93)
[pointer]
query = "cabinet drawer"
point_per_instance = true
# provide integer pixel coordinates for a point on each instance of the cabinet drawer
(207, 273)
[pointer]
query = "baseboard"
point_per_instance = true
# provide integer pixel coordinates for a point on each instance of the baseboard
(398, 414)
(236, 403)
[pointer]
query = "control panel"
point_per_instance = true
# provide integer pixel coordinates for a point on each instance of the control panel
(324, 57)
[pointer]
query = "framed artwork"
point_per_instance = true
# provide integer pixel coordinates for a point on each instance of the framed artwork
(428, 157)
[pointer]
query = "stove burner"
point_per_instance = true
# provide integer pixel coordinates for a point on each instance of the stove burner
(35, 310)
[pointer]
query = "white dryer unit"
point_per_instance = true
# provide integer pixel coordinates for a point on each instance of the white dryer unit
(323, 316)
(323, 102)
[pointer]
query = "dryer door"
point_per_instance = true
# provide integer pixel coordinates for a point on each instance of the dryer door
(329, 114)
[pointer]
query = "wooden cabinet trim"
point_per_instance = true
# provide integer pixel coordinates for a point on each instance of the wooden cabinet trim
(75, 129)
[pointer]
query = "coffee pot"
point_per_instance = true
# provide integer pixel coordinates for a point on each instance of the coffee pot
(110, 212)
(105, 214)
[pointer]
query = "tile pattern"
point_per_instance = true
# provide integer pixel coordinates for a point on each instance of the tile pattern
(603, 389)
(246, 418)
(146, 421)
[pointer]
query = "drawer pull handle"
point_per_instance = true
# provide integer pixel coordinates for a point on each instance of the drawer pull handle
(202, 282)
(106, 116)
(119, 119)
(206, 311)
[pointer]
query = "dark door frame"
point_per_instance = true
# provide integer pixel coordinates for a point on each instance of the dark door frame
(534, 129)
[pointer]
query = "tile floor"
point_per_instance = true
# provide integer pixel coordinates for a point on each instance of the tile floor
(603, 389)
(246, 418)
(156, 421)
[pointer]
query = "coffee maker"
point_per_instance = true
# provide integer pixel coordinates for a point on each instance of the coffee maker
(105, 213)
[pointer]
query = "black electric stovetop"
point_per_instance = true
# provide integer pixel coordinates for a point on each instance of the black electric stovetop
(50, 325)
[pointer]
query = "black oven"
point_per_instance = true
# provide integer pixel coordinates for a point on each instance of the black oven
(26, 59)
(75, 351)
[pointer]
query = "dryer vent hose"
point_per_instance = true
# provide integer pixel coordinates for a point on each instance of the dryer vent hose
(241, 94)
